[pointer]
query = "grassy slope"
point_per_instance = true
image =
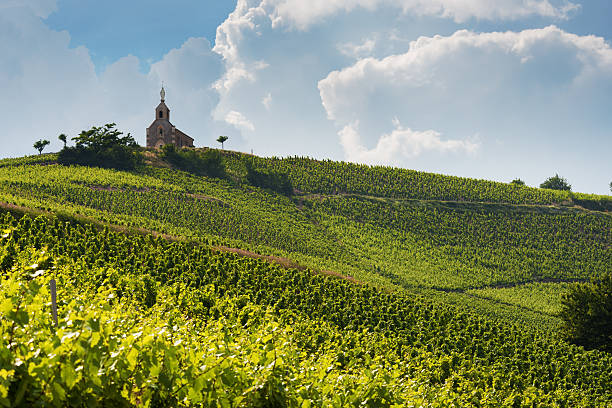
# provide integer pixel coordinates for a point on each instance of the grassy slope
(458, 252)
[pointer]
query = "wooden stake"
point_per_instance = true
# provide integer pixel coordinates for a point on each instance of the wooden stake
(53, 300)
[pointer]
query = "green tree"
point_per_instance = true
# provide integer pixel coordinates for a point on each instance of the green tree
(222, 139)
(587, 314)
(518, 182)
(102, 147)
(63, 138)
(99, 138)
(556, 183)
(40, 145)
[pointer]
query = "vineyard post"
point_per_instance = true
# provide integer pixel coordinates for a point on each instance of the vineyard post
(53, 288)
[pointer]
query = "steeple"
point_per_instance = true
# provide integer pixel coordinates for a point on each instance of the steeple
(162, 111)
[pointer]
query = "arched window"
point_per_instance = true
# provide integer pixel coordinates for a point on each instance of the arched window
(161, 114)
(161, 132)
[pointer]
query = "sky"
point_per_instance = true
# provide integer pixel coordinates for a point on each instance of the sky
(474, 88)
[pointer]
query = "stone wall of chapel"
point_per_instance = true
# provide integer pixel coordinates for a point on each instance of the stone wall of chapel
(154, 135)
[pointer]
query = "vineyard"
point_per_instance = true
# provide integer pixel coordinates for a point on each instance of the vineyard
(382, 287)
(396, 243)
(153, 322)
(331, 177)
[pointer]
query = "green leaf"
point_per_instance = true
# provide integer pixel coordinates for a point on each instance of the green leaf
(132, 358)
(68, 375)
(6, 306)
(59, 394)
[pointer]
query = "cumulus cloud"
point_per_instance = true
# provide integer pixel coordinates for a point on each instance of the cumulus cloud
(400, 144)
(470, 83)
(253, 17)
(301, 14)
(238, 120)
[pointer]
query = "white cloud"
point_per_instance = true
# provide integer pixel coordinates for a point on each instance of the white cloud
(267, 101)
(400, 144)
(41, 8)
(254, 17)
(301, 14)
(542, 92)
(238, 120)
(468, 83)
(352, 50)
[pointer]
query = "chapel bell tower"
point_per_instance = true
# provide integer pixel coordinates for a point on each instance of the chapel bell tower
(162, 132)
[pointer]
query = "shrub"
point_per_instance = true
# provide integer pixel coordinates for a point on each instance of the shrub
(209, 163)
(102, 147)
(278, 182)
(587, 314)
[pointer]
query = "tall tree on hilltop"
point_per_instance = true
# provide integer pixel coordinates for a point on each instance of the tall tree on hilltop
(40, 145)
(63, 138)
(222, 139)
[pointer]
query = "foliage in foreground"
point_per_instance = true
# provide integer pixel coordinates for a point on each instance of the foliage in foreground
(163, 316)
(102, 147)
(587, 314)
(105, 351)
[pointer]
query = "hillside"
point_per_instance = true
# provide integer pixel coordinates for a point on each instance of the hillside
(486, 250)
(448, 288)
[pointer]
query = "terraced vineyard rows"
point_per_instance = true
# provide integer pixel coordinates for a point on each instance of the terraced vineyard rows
(494, 245)
(384, 348)
(405, 243)
(331, 177)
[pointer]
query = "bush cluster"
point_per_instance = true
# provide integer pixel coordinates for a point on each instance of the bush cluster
(587, 314)
(278, 182)
(209, 163)
(102, 147)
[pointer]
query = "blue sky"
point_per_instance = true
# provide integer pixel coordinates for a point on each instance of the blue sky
(113, 29)
(496, 90)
